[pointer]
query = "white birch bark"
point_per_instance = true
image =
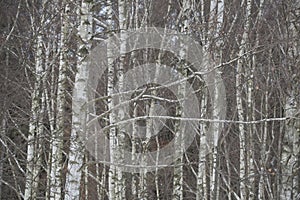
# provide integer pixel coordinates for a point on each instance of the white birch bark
(143, 176)
(255, 63)
(290, 144)
(55, 176)
(34, 129)
(249, 182)
(263, 143)
(250, 117)
(136, 181)
(186, 9)
(112, 174)
(261, 187)
(201, 188)
(35, 124)
(239, 98)
(215, 23)
(135, 177)
(152, 124)
(76, 153)
(215, 132)
(178, 168)
(51, 107)
(120, 181)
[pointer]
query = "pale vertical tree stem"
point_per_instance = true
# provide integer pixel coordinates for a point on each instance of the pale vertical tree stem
(186, 10)
(239, 95)
(55, 182)
(33, 157)
(214, 26)
(112, 174)
(31, 176)
(76, 152)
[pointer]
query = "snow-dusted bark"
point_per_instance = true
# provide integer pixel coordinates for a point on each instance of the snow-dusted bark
(76, 154)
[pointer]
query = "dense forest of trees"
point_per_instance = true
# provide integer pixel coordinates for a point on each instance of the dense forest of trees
(150, 99)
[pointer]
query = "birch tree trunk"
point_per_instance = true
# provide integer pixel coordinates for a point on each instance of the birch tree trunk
(76, 154)
(256, 131)
(152, 110)
(240, 91)
(201, 189)
(134, 24)
(121, 143)
(290, 185)
(215, 24)
(264, 151)
(290, 151)
(55, 182)
(32, 168)
(178, 169)
(112, 173)
(254, 42)
(144, 193)
(249, 181)
(186, 9)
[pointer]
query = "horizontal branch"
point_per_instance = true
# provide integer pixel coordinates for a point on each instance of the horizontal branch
(196, 120)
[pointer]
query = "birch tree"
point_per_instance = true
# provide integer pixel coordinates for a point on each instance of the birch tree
(55, 176)
(214, 27)
(240, 90)
(113, 170)
(75, 159)
(35, 126)
(185, 12)
(290, 145)
(253, 48)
